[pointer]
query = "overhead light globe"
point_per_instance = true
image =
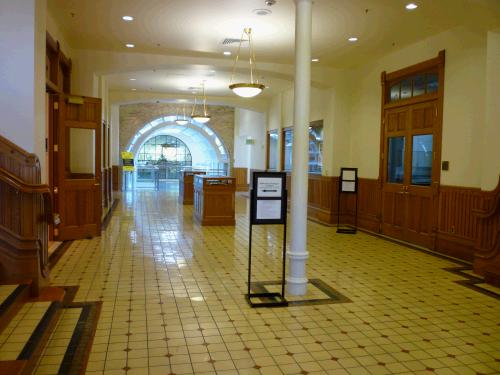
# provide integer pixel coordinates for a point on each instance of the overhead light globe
(247, 90)
(202, 119)
(180, 121)
(251, 88)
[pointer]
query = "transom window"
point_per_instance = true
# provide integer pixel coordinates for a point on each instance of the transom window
(415, 85)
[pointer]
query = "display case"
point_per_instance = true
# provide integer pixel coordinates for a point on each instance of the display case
(214, 200)
(186, 180)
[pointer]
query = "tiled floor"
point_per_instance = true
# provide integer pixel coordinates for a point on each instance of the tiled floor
(57, 345)
(5, 291)
(17, 333)
(173, 301)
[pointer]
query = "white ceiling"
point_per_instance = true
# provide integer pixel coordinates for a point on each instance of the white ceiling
(194, 29)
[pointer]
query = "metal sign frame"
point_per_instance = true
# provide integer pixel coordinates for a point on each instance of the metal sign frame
(348, 184)
(268, 205)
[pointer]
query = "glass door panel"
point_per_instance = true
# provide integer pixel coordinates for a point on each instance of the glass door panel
(421, 160)
(395, 159)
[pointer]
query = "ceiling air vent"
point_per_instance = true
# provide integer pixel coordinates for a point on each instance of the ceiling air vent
(228, 41)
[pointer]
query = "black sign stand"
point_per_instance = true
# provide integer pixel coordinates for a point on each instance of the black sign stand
(348, 184)
(268, 190)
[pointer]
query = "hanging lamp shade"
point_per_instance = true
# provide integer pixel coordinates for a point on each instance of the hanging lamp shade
(251, 88)
(182, 120)
(200, 117)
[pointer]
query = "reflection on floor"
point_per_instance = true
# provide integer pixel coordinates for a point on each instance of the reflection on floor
(173, 301)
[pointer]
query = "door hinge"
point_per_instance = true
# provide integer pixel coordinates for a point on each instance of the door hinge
(56, 232)
(56, 148)
(56, 190)
(56, 106)
(46, 145)
(382, 156)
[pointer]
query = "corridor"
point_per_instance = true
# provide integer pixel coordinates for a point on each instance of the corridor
(173, 301)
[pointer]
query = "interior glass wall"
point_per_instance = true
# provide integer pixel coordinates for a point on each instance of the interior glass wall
(161, 158)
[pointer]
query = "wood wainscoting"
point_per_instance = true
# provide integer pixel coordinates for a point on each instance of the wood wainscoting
(117, 171)
(457, 226)
(25, 213)
(241, 178)
(468, 219)
(487, 243)
(323, 201)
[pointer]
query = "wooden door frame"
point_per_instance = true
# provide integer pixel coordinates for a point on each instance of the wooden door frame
(435, 64)
(385, 78)
(60, 126)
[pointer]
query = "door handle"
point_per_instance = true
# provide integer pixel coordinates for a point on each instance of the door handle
(97, 184)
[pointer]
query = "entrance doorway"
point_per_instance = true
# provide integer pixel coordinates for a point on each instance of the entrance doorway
(161, 158)
(411, 151)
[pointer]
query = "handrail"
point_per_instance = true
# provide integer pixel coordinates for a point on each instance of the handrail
(42, 189)
(13, 148)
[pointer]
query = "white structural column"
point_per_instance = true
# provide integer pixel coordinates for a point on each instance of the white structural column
(297, 280)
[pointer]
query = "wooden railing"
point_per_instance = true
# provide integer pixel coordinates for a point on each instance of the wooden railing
(25, 213)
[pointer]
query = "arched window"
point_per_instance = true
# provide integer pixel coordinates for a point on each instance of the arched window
(166, 153)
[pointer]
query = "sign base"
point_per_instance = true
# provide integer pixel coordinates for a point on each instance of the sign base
(279, 300)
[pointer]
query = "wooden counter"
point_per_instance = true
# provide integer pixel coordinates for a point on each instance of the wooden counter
(214, 200)
(186, 194)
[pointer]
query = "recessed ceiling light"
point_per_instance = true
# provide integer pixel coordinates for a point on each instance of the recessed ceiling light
(128, 18)
(314, 60)
(353, 39)
(130, 45)
(212, 71)
(132, 79)
(227, 53)
(133, 89)
(411, 6)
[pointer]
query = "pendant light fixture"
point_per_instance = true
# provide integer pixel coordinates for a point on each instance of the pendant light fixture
(201, 118)
(252, 88)
(182, 120)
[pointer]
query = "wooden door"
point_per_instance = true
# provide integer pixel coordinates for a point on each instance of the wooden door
(77, 169)
(411, 173)
(394, 208)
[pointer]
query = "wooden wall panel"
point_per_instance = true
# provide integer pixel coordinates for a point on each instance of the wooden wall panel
(457, 226)
(117, 171)
(369, 204)
(487, 243)
(241, 178)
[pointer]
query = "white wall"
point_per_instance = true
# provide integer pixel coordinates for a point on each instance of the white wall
(249, 125)
(490, 163)
(463, 112)
(22, 74)
(351, 109)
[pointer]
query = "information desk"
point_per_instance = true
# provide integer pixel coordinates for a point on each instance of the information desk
(214, 200)
(186, 179)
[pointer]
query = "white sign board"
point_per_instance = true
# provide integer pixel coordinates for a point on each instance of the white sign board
(269, 187)
(348, 186)
(349, 175)
(268, 209)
